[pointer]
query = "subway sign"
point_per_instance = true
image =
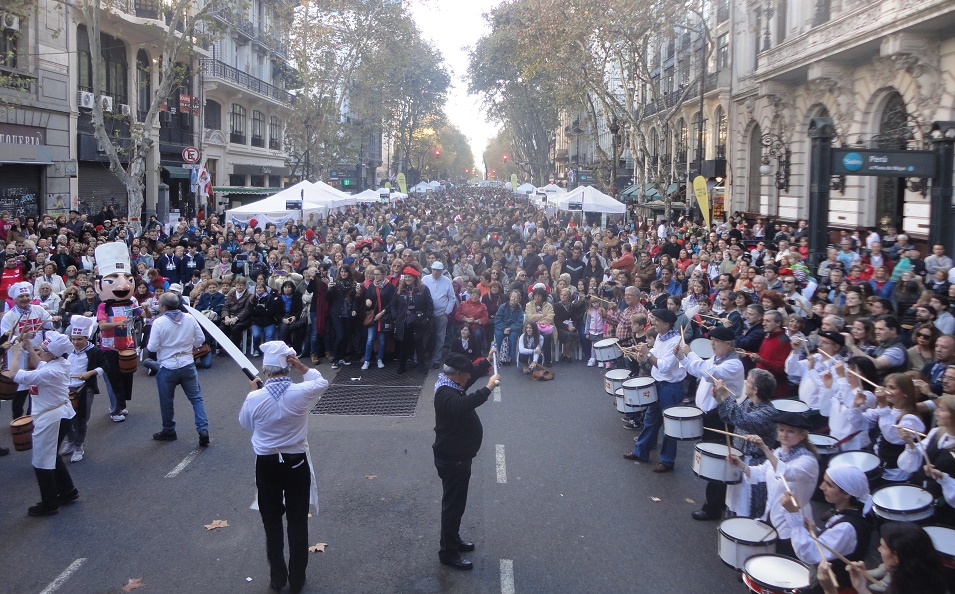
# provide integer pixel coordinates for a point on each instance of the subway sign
(884, 163)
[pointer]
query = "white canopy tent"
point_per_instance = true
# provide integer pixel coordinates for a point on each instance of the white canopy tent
(525, 189)
(421, 187)
(273, 210)
(370, 196)
(332, 197)
(590, 199)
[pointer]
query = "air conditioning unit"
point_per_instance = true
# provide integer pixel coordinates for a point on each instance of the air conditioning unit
(84, 99)
(126, 110)
(107, 103)
(9, 21)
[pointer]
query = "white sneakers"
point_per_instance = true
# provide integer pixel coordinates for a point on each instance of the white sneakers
(381, 364)
(66, 447)
(591, 362)
(364, 365)
(117, 418)
(77, 454)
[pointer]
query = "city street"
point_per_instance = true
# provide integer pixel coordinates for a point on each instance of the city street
(553, 507)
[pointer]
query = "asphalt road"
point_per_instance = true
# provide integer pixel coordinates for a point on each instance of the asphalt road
(571, 515)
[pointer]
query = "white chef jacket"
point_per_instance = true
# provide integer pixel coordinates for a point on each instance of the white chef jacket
(668, 367)
(730, 371)
(838, 403)
(810, 386)
(173, 343)
(802, 474)
(37, 318)
(49, 405)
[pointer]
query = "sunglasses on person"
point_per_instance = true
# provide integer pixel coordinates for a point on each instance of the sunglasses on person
(923, 335)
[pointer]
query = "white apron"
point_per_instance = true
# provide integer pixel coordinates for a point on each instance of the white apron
(49, 406)
(313, 488)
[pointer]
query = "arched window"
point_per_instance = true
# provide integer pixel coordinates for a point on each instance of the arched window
(755, 186)
(144, 94)
(667, 139)
(698, 125)
(894, 134)
(681, 141)
(721, 132)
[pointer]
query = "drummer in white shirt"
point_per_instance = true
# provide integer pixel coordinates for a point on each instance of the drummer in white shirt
(837, 401)
(277, 415)
(939, 477)
(794, 462)
(810, 368)
(725, 365)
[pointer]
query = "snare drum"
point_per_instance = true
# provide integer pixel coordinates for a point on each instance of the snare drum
(825, 444)
(903, 503)
(943, 538)
(742, 538)
(684, 423)
(775, 574)
(702, 347)
(796, 406)
(613, 380)
(128, 361)
(21, 430)
(622, 405)
(865, 461)
(640, 391)
(710, 463)
(607, 350)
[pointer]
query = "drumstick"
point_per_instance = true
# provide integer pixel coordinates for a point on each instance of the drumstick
(840, 556)
(912, 431)
(849, 371)
(726, 433)
(710, 375)
(728, 444)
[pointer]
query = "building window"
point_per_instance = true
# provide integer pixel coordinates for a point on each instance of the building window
(722, 11)
(698, 127)
(258, 181)
(144, 93)
(258, 129)
(668, 80)
(822, 12)
(213, 115)
(683, 69)
(275, 181)
(236, 181)
(721, 131)
(782, 8)
(681, 141)
(275, 134)
(115, 67)
(722, 51)
(237, 134)
(8, 48)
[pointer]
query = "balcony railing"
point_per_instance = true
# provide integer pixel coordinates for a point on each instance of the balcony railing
(218, 69)
(274, 144)
(237, 138)
(144, 9)
(258, 141)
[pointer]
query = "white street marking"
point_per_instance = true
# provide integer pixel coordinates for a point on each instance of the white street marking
(185, 462)
(507, 576)
(61, 579)
(501, 469)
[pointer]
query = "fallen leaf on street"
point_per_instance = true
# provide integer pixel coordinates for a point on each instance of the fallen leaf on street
(132, 584)
(688, 500)
(371, 476)
(217, 524)
(318, 547)
(656, 499)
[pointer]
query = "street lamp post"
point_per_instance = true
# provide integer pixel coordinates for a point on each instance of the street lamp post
(308, 147)
(614, 129)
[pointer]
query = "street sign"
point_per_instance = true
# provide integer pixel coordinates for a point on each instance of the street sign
(190, 154)
(332, 174)
(293, 205)
(886, 163)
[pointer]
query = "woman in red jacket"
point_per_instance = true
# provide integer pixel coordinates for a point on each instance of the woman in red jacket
(773, 352)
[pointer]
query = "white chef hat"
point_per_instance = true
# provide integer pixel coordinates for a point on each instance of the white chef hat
(275, 353)
(112, 258)
(82, 326)
(58, 344)
(20, 288)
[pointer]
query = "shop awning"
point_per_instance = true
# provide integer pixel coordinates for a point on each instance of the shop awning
(240, 190)
(178, 172)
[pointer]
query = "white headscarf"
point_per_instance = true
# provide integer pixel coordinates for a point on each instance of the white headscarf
(854, 482)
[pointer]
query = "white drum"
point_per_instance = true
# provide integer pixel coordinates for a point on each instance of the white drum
(867, 462)
(903, 503)
(607, 350)
(613, 380)
(622, 405)
(775, 574)
(943, 539)
(710, 463)
(742, 538)
(684, 423)
(640, 391)
(702, 347)
(825, 444)
(796, 406)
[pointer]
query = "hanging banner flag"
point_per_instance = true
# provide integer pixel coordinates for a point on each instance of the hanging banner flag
(702, 198)
(402, 185)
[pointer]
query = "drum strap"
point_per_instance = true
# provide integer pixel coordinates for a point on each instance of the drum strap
(846, 439)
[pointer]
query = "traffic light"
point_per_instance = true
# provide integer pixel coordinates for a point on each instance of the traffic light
(437, 153)
(505, 159)
(346, 182)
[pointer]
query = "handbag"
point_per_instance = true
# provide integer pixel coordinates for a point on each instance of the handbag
(544, 328)
(504, 355)
(369, 318)
(542, 374)
(201, 350)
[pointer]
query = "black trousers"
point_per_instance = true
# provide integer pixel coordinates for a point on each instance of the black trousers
(122, 383)
(715, 491)
(20, 405)
(455, 478)
(413, 346)
(288, 477)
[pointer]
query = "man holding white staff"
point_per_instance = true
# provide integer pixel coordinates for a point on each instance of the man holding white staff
(811, 368)
(277, 415)
(173, 336)
(727, 367)
(669, 376)
(23, 318)
(51, 416)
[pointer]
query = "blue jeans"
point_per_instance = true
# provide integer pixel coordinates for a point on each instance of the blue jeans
(512, 343)
(369, 343)
(440, 328)
(316, 341)
(188, 378)
(258, 332)
(668, 394)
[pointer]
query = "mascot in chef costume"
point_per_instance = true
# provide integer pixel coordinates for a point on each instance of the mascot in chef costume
(52, 414)
(115, 315)
(22, 321)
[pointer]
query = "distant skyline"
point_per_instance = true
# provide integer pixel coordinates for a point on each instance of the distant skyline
(454, 25)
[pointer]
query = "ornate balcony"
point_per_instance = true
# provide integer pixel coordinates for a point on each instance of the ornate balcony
(216, 69)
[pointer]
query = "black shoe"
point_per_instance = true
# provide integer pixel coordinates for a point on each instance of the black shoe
(68, 497)
(401, 370)
(276, 585)
(465, 546)
(165, 436)
(703, 516)
(456, 561)
(43, 509)
(435, 365)
(4, 451)
(204, 438)
(296, 588)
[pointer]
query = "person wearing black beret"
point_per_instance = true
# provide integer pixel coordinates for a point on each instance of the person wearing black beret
(458, 435)
(792, 467)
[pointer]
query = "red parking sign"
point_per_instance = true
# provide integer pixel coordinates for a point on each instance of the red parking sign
(190, 154)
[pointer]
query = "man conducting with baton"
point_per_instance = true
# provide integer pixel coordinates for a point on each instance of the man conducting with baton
(458, 434)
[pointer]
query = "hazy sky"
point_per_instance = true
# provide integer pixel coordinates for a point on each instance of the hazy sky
(453, 25)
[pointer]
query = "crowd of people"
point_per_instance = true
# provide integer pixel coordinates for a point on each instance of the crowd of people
(864, 338)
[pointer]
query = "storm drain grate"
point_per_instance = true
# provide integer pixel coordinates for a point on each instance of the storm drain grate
(371, 392)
